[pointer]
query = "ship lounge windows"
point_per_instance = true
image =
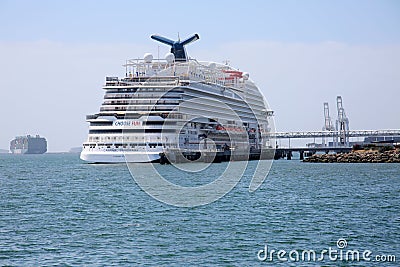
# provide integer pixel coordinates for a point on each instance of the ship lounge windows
(90, 145)
(120, 131)
(154, 145)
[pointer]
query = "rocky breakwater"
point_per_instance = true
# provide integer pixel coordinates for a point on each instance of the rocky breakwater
(357, 156)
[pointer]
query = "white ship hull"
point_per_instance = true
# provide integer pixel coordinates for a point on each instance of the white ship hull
(119, 157)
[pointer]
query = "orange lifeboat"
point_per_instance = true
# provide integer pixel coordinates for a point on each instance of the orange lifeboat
(234, 73)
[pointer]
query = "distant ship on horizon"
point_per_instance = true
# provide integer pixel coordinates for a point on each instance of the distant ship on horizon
(28, 145)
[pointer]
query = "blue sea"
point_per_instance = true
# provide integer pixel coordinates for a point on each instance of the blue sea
(57, 210)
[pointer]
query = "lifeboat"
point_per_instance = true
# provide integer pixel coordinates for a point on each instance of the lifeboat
(234, 73)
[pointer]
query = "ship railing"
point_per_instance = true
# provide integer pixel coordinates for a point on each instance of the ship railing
(215, 73)
(170, 96)
(163, 108)
(142, 81)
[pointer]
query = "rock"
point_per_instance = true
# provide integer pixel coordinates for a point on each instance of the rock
(389, 156)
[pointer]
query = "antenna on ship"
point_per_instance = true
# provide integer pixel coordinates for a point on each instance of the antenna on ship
(177, 47)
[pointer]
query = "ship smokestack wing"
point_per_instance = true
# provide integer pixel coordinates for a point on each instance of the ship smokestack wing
(162, 39)
(193, 38)
(177, 47)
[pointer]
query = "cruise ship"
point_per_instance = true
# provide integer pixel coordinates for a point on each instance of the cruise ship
(177, 103)
(28, 145)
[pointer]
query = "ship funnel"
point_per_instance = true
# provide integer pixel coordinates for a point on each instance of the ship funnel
(177, 47)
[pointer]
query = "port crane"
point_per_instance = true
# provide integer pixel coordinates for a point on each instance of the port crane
(342, 124)
(328, 125)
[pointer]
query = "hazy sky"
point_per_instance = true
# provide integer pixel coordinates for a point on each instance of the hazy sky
(54, 56)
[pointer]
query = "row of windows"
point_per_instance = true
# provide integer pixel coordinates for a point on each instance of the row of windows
(144, 90)
(137, 108)
(124, 145)
(141, 95)
(137, 116)
(122, 90)
(109, 123)
(141, 102)
(135, 96)
(120, 131)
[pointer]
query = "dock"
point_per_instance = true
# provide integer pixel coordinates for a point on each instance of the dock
(326, 134)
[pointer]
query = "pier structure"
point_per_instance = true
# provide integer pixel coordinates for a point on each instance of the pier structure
(322, 134)
(287, 152)
(182, 156)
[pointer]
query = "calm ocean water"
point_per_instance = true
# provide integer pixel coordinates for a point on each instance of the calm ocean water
(57, 210)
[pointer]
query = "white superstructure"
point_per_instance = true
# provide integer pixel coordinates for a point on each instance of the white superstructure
(176, 103)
